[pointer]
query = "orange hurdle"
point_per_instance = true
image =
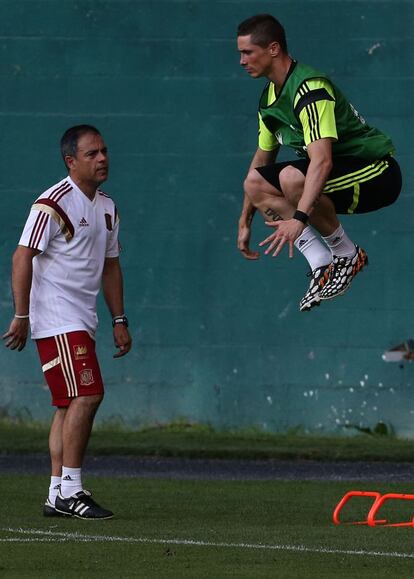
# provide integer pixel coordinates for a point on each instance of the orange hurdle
(379, 500)
(371, 519)
(349, 496)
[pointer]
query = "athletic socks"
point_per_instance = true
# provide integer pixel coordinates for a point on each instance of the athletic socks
(54, 488)
(313, 249)
(71, 481)
(340, 244)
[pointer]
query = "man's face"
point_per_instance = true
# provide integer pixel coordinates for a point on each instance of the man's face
(255, 60)
(91, 163)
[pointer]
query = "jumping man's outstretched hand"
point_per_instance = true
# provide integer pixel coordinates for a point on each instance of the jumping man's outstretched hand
(243, 241)
(286, 232)
(122, 339)
(16, 336)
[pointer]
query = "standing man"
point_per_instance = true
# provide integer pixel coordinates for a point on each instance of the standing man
(344, 165)
(68, 249)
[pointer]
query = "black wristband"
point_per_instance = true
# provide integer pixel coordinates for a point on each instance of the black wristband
(301, 216)
(120, 320)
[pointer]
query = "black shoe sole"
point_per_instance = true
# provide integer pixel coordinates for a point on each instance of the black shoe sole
(308, 308)
(51, 512)
(66, 514)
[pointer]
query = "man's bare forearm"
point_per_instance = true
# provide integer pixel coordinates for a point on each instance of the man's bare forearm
(22, 272)
(113, 287)
(320, 153)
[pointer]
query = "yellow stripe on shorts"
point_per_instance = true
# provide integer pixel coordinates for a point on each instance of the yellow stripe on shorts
(351, 179)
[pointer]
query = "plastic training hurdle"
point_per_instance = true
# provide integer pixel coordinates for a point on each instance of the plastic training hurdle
(372, 519)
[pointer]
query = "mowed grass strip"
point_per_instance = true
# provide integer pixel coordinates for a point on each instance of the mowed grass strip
(295, 518)
(197, 441)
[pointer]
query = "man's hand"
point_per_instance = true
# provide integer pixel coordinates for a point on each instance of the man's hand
(286, 232)
(243, 241)
(16, 335)
(122, 339)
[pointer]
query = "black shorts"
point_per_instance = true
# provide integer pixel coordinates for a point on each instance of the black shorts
(354, 185)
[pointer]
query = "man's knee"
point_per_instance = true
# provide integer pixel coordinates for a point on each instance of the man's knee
(292, 182)
(256, 187)
(90, 403)
(252, 186)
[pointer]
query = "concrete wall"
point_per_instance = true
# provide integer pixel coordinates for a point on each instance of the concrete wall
(217, 339)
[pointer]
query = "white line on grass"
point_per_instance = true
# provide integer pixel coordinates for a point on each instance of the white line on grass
(55, 536)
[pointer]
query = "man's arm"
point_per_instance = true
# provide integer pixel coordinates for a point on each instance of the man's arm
(320, 155)
(260, 158)
(22, 271)
(112, 285)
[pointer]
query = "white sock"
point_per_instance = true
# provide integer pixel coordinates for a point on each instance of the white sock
(313, 249)
(340, 244)
(54, 488)
(71, 481)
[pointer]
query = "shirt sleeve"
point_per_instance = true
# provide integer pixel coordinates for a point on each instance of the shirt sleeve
(315, 107)
(39, 229)
(267, 140)
(112, 246)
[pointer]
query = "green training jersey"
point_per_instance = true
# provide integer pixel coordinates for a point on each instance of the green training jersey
(310, 107)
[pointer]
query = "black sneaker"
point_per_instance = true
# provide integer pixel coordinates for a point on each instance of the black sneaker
(341, 273)
(82, 506)
(319, 277)
(49, 510)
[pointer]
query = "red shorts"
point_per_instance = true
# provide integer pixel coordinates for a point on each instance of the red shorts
(70, 366)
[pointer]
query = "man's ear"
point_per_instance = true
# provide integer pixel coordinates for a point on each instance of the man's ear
(69, 161)
(274, 48)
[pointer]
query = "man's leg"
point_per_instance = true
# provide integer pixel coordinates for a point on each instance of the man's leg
(55, 442)
(274, 205)
(56, 452)
(267, 198)
(77, 427)
(346, 258)
(323, 217)
(72, 372)
(76, 431)
(73, 500)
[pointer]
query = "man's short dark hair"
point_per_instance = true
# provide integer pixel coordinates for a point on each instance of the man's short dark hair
(264, 29)
(69, 141)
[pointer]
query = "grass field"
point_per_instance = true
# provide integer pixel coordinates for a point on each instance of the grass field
(205, 529)
(203, 442)
(199, 529)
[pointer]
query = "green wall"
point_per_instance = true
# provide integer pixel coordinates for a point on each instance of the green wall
(217, 339)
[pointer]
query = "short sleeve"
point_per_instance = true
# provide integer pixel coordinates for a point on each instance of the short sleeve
(112, 246)
(267, 140)
(39, 229)
(315, 107)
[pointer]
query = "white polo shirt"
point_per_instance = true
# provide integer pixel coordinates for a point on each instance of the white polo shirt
(75, 235)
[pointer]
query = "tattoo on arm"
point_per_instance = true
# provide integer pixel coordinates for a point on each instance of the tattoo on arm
(272, 214)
